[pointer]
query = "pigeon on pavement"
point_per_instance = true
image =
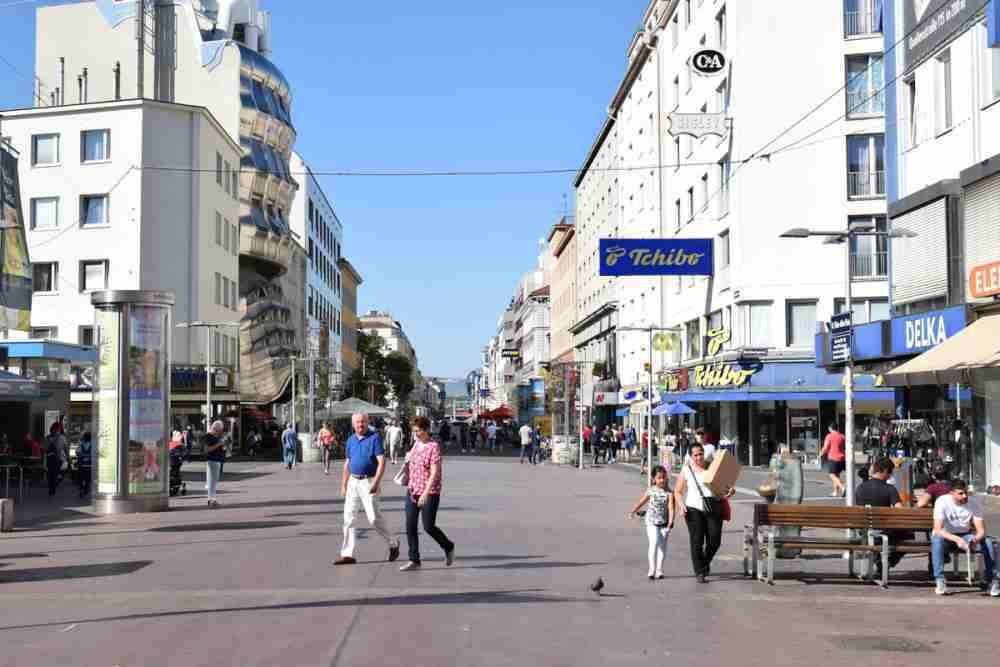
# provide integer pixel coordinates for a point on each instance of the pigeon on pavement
(597, 586)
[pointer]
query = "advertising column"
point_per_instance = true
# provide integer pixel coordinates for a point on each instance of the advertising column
(133, 400)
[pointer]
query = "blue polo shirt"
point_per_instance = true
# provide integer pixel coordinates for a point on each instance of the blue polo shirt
(361, 453)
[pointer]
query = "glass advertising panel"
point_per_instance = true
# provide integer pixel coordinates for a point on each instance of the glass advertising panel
(147, 372)
(108, 404)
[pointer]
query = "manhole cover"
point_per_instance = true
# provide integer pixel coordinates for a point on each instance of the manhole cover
(889, 644)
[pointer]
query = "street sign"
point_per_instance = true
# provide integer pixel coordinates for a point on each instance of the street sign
(484, 392)
(698, 124)
(840, 348)
(511, 353)
(841, 322)
(656, 257)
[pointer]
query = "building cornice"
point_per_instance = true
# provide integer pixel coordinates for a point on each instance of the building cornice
(605, 309)
(347, 266)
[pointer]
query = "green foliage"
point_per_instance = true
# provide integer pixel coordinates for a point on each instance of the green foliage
(380, 374)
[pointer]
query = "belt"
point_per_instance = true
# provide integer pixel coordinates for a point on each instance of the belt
(361, 476)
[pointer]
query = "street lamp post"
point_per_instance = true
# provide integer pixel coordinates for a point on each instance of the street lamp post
(835, 237)
(209, 328)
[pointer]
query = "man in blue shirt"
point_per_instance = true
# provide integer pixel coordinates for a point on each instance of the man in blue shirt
(363, 472)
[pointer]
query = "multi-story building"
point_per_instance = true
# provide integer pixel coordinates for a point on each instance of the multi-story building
(942, 84)
(315, 222)
(394, 339)
(562, 289)
(95, 221)
(767, 293)
(211, 53)
(350, 324)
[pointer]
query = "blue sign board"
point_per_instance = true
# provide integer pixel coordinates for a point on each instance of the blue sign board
(914, 334)
(656, 257)
(993, 24)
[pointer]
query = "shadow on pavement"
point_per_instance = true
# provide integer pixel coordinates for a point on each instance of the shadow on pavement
(383, 510)
(526, 566)
(199, 476)
(275, 504)
(526, 596)
(72, 571)
(221, 526)
(18, 556)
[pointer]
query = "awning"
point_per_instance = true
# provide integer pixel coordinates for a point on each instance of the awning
(746, 396)
(975, 346)
(16, 388)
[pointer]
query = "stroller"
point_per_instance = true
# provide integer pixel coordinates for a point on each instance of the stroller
(177, 486)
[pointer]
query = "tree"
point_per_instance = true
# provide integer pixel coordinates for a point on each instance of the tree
(398, 372)
(368, 380)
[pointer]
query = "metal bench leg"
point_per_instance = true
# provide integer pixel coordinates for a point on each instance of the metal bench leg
(770, 558)
(885, 561)
(746, 548)
(756, 552)
(970, 564)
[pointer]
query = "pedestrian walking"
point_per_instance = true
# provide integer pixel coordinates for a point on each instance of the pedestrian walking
(215, 455)
(526, 436)
(253, 442)
(394, 438)
(491, 436)
(84, 469)
(423, 495)
(659, 519)
(360, 485)
(290, 445)
(833, 457)
(702, 511)
(326, 443)
(617, 442)
(54, 457)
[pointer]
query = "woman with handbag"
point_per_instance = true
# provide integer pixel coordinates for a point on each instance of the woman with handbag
(424, 468)
(702, 510)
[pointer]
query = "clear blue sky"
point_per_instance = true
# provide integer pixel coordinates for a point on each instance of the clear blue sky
(446, 84)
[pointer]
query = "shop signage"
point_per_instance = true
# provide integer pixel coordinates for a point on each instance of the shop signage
(712, 375)
(927, 24)
(656, 257)
(708, 62)
(191, 379)
(841, 322)
(511, 353)
(916, 333)
(605, 398)
(984, 281)
(698, 125)
(993, 24)
(840, 348)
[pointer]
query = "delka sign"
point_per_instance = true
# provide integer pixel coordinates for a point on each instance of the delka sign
(984, 281)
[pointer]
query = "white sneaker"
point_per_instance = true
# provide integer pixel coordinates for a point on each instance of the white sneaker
(995, 588)
(409, 567)
(941, 588)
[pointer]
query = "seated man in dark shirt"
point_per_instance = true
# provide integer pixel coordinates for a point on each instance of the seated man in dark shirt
(877, 492)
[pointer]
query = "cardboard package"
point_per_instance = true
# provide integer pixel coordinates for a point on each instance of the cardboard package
(722, 473)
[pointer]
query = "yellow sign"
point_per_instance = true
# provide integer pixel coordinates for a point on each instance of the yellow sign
(713, 375)
(721, 375)
(716, 339)
(663, 342)
(108, 403)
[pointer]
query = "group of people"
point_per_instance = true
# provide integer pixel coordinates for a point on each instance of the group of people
(703, 510)
(363, 472)
(606, 443)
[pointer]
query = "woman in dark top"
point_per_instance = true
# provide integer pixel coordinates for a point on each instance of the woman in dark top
(215, 454)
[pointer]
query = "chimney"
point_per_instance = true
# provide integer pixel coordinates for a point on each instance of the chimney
(86, 96)
(118, 80)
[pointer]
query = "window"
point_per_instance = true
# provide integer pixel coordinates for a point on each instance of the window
(722, 260)
(675, 31)
(942, 94)
(714, 322)
(704, 191)
(865, 83)
(236, 184)
(225, 236)
(234, 242)
(865, 166)
(93, 210)
(691, 202)
(225, 292)
(218, 289)
(801, 324)
(688, 79)
(724, 168)
(677, 153)
(218, 228)
(692, 332)
(677, 91)
(991, 69)
(869, 254)
(95, 145)
(687, 13)
(85, 335)
(913, 117)
(233, 351)
(759, 323)
(46, 277)
(721, 103)
(45, 149)
(45, 333)
(678, 216)
(865, 310)
(45, 213)
(720, 28)
(93, 275)
(232, 295)
(227, 182)
(862, 17)
(218, 168)
(216, 346)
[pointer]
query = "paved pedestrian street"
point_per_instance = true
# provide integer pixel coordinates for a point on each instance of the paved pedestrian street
(251, 583)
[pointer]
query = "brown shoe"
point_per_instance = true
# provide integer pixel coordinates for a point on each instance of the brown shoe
(345, 560)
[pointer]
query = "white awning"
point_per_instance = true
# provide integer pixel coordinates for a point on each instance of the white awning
(977, 346)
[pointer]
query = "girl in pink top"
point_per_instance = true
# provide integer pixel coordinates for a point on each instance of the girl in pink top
(423, 494)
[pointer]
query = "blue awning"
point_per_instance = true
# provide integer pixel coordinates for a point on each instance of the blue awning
(47, 349)
(621, 412)
(744, 396)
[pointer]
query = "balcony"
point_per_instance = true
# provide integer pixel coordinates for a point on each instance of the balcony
(865, 184)
(865, 103)
(862, 24)
(869, 266)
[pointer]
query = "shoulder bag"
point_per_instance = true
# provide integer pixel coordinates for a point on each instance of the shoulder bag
(402, 478)
(711, 504)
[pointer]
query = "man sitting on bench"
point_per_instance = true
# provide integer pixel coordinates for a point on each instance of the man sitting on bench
(959, 519)
(877, 492)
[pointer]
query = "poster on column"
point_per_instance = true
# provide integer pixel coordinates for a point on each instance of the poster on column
(108, 404)
(147, 459)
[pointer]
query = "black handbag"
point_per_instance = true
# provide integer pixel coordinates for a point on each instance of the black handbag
(710, 504)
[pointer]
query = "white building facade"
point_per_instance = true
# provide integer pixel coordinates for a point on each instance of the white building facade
(320, 230)
(767, 293)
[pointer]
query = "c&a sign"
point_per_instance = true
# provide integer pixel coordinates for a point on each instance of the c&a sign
(656, 257)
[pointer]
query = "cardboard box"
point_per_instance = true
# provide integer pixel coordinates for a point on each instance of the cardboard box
(722, 473)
